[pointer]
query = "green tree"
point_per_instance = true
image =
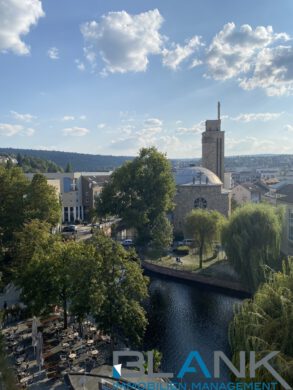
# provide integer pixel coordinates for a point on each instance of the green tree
(139, 191)
(124, 289)
(20, 202)
(203, 226)
(264, 324)
(161, 234)
(33, 237)
(51, 277)
(41, 201)
(252, 240)
(68, 168)
(13, 189)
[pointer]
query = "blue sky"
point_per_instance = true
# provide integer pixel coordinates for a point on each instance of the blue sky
(110, 77)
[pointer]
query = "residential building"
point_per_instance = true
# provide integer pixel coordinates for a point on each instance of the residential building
(246, 193)
(91, 187)
(71, 193)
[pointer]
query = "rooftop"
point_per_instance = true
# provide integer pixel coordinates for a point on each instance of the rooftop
(196, 176)
(287, 193)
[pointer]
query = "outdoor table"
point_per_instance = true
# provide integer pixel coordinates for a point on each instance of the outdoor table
(94, 352)
(72, 356)
(90, 342)
(65, 345)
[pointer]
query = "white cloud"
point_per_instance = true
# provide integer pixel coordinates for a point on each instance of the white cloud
(196, 62)
(29, 131)
(75, 131)
(17, 17)
(273, 72)
(261, 116)
(289, 128)
(67, 118)
(149, 131)
(123, 41)
(233, 50)
(53, 53)
(82, 117)
(9, 130)
(23, 117)
(173, 57)
(80, 65)
(253, 145)
(101, 125)
(153, 122)
(195, 129)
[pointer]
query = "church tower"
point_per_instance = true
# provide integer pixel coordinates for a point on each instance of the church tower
(213, 146)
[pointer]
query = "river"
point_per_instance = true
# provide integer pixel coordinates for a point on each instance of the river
(184, 317)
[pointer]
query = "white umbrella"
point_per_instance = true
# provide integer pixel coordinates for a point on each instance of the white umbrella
(34, 333)
(40, 359)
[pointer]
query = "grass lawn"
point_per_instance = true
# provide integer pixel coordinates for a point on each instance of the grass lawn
(189, 262)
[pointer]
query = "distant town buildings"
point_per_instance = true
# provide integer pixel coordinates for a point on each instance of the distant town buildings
(246, 193)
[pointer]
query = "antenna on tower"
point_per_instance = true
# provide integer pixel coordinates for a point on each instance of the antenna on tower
(219, 110)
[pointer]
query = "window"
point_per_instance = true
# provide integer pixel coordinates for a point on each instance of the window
(71, 214)
(290, 225)
(200, 203)
(65, 214)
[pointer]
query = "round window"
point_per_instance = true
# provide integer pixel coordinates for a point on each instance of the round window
(200, 203)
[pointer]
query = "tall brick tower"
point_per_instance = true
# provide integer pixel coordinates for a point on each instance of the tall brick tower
(213, 140)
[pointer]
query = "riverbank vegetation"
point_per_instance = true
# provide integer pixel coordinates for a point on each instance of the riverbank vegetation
(265, 323)
(252, 240)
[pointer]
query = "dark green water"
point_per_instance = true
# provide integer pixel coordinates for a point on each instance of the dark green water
(184, 317)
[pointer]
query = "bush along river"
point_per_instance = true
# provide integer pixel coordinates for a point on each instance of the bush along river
(184, 317)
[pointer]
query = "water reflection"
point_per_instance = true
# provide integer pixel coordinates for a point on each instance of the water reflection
(185, 318)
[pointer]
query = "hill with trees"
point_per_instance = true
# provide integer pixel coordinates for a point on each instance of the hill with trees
(78, 161)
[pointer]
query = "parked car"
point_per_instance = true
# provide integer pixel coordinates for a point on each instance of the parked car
(188, 242)
(69, 232)
(127, 242)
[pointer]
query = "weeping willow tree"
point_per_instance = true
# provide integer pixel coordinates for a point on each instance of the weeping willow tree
(252, 240)
(265, 324)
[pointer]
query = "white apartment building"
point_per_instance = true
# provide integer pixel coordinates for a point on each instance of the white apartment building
(70, 185)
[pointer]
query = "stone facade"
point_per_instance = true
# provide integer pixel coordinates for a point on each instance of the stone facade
(188, 196)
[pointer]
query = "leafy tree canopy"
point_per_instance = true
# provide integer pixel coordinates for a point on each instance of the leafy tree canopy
(20, 202)
(252, 240)
(203, 226)
(139, 191)
(265, 323)
(124, 289)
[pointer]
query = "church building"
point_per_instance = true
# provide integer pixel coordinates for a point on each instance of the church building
(202, 186)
